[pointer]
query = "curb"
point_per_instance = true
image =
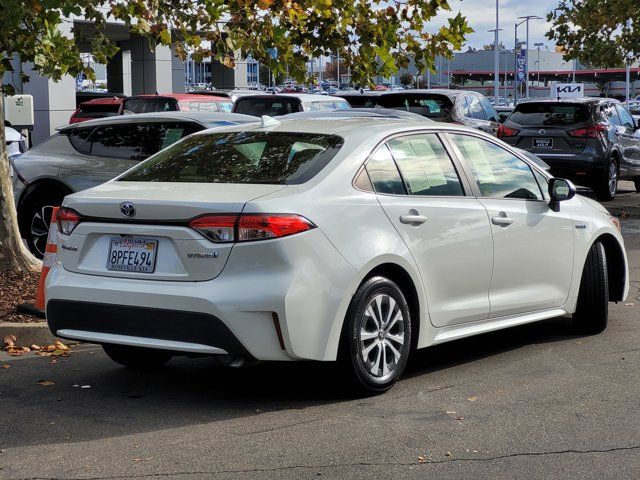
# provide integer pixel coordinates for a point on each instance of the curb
(624, 211)
(28, 334)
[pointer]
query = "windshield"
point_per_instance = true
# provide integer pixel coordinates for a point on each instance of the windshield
(547, 113)
(428, 105)
(266, 105)
(240, 157)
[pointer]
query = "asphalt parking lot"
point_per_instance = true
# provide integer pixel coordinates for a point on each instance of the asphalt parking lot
(531, 402)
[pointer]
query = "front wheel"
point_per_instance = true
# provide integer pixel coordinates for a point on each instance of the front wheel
(137, 358)
(377, 336)
(592, 310)
(636, 182)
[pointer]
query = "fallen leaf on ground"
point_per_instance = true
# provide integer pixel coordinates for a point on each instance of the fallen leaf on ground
(421, 459)
(36, 347)
(9, 341)
(472, 399)
(448, 454)
(6, 365)
(46, 383)
(450, 412)
(60, 346)
(629, 304)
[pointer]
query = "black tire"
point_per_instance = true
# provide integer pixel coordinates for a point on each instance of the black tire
(607, 188)
(592, 310)
(35, 216)
(636, 182)
(376, 375)
(137, 358)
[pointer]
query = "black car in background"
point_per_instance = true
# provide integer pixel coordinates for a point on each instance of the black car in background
(358, 99)
(449, 106)
(589, 140)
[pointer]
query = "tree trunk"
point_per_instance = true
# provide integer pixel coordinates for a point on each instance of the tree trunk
(13, 253)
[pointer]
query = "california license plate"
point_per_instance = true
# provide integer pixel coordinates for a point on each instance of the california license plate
(543, 143)
(132, 254)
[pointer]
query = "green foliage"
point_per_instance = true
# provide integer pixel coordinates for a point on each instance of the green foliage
(601, 33)
(361, 30)
(406, 79)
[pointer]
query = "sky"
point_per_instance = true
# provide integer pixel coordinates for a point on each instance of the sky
(481, 16)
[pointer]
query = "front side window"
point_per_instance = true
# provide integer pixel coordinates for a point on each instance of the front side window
(625, 117)
(384, 174)
(611, 115)
(499, 174)
(241, 157)
(425, 166)
(490, 112)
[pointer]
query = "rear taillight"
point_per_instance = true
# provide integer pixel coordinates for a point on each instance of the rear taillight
(217, 228)
(507, 131)
(589, 132)
(68, 220)
(249, 227)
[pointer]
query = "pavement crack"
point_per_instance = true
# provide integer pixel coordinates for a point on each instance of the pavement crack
(351, 464)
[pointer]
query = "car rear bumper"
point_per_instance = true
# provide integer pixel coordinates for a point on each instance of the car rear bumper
(578, 168)
(274, 300)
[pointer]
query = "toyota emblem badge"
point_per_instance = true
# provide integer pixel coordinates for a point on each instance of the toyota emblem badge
(128, 209)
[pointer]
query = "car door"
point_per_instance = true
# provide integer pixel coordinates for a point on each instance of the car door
(491, 115)
(446, 231)
(630, 164)
(532, 244)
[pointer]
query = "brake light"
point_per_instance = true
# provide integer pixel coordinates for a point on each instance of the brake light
(68, 220)
(588, 132)
(250, 227)
(506, 131)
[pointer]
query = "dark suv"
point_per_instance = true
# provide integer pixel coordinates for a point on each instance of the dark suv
(589, 140)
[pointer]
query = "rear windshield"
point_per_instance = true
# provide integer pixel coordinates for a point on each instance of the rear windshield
(364, 101)
(240, 157)
(539, 114)
(428, 105)
(97, 111)
(267, 106)
(150, 105)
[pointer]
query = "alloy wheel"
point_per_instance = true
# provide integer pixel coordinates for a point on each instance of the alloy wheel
(613, 178)
(382, 335)
(39, 229)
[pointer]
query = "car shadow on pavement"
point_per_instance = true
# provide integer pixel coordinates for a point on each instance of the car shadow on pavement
(92, 397)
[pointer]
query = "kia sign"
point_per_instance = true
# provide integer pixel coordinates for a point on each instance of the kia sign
(567, 90)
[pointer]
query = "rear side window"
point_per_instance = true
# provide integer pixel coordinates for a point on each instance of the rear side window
(364, 101)
(266, 106)
(428, 105)
(425, 166)
(78, 138)
(118, 141)
(241, 157)
(548, 113)
(162, 135)
(384, 174)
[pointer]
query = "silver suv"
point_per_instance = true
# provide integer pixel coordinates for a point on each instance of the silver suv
(84, 155)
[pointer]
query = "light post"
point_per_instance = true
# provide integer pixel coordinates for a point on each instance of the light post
(526, 19)
(496, 57)
(496, 73)
(538, 45)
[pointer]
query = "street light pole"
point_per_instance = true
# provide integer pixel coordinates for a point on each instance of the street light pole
(496, 58)
(526, 64)
(538, 45)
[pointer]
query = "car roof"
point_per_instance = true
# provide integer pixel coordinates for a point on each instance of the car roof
(187, 96)
(432, 91)
(303, 97)
(104, 101)
(357, 113)
(585, 100)
(203, 118)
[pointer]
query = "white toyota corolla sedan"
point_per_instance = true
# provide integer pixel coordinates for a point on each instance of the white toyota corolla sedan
(346, 237)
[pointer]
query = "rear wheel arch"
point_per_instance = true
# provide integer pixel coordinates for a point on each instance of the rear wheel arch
(615, 266)
(43, 187)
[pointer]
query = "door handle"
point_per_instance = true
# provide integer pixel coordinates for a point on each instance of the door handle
(502, 220)
(414, 219)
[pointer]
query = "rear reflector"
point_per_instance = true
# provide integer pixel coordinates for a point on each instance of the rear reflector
(68, 220)
(249, 227)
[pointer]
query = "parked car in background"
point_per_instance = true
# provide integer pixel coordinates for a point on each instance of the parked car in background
(589, 140)
(360, 99)
(16, 143)
(285, 103)
(97, 108)
(328, 239)
(449, 106)
(183, 102)
(503, 112)
(83, 155)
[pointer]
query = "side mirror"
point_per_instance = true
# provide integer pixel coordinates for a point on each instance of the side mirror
(559, 191)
